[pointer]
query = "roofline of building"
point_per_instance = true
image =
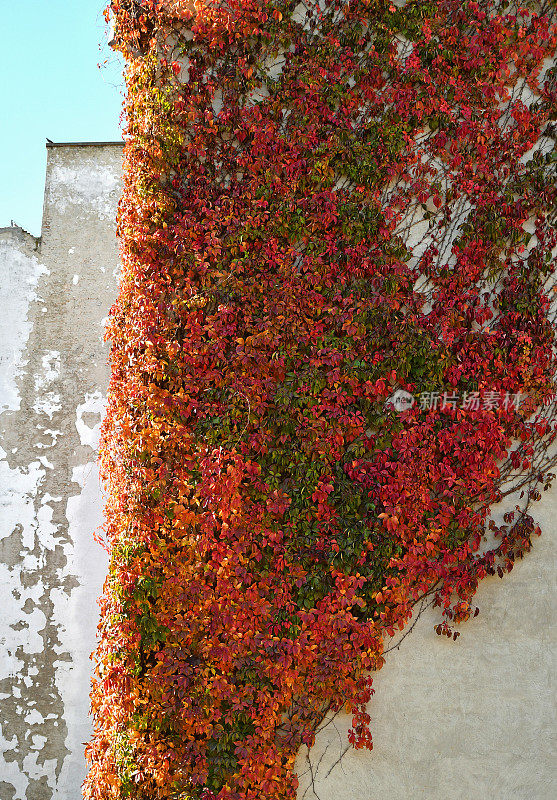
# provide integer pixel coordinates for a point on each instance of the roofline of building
(15, 230)
(83, 144)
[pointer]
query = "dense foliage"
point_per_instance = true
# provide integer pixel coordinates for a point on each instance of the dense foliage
(325, 202)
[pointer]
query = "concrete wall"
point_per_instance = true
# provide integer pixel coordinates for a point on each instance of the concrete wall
(54, 294)
(451, 721)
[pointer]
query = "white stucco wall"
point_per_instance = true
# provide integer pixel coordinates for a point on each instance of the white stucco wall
(463, 720)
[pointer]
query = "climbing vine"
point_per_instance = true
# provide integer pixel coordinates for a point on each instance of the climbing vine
(333, 354)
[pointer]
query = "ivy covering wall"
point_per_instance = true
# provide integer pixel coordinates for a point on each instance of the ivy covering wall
(326, 203)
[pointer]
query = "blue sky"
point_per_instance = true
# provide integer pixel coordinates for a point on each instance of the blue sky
(50, 85)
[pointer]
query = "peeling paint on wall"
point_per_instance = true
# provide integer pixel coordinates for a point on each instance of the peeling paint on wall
(89, 184)
(53, 375)
(20, 271)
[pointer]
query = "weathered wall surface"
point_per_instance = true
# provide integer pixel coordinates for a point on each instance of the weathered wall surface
(451, 721)
(55, 295)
